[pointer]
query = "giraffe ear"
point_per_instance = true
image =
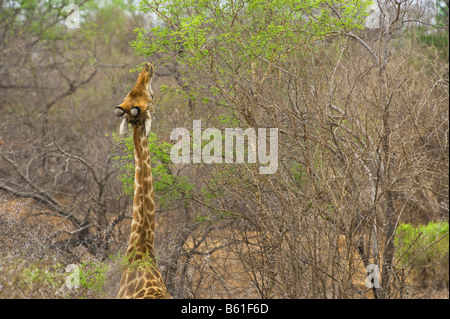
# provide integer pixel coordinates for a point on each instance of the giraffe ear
(123, 126)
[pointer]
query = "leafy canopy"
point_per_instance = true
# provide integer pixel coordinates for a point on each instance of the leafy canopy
(237, 32)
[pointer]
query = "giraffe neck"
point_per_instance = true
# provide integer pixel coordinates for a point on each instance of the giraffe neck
(143, 224)
(142, 278)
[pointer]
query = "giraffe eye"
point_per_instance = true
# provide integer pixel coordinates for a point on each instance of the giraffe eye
(118, 111)
(135, 111)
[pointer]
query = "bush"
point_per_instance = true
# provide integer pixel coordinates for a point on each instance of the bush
(424, 250)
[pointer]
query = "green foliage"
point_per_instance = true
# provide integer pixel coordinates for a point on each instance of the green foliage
(93, 276)
(38, 275)
(226, 37)
(138, 261)
(167, 186)
(442, 13)
(436, 38)
(299, 174)
(228, 121)
(44, 279)
(422, 244)
(267, 29)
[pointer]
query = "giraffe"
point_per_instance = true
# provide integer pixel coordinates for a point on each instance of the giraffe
(141, 278)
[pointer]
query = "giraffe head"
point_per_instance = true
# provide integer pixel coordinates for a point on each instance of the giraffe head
(138, 104)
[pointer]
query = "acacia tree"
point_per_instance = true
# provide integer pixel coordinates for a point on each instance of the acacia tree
(351, 165)
(234, 59)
